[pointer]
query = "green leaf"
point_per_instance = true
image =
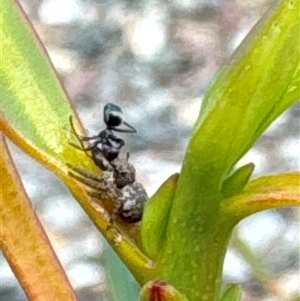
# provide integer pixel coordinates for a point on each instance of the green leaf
(261, 194)
(260, 81)
(34, 105)
(120, 281)
(156, 215)
(233, 292)
(35, 115)
(237, 181)
(296, 298)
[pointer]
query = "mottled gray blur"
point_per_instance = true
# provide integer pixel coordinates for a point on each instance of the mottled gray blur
(155, 59)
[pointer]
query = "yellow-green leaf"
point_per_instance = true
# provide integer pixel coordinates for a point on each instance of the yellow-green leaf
(24, 241)
(34, 107)
(261, 194)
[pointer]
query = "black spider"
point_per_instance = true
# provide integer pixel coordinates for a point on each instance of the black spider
(106, 144)
(118, 182)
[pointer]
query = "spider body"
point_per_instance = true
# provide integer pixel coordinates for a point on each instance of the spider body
(132, 202)
(118, 184)
(118, 178)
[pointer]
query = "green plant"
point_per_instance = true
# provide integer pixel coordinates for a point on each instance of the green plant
(198, 208)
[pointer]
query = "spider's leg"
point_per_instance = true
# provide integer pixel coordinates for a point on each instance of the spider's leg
(76, 146)
(97, 185)
(102, 195)
(123, 130)
(116, 210)
(87, 138)
(87, 174)
(75, 133)
(84, 149)
(130, 130)
(102, 190)
(102, 183)
(114, 215)
(83, 138)
(90, 147)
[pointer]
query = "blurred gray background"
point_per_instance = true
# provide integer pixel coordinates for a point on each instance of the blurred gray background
(155, 59)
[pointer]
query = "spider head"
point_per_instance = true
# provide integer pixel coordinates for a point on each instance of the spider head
(113, 115)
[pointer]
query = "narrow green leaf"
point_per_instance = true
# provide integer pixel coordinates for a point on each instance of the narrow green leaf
(156, 215)
(259, 267)
(233, 292)
(24, 241)
(237, 181)
(261, 194)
